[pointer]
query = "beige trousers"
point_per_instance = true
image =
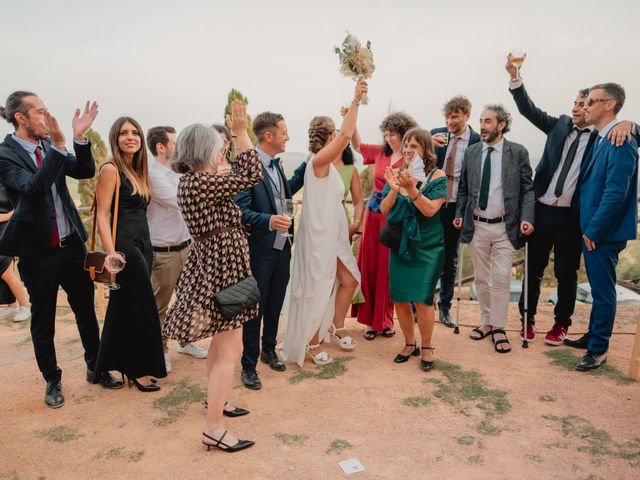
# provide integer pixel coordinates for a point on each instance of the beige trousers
(492, 258)
(166, 269)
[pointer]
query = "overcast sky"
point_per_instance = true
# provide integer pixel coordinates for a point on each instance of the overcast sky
(173, 63)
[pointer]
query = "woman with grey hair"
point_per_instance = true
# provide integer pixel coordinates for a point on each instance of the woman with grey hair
(218, 259)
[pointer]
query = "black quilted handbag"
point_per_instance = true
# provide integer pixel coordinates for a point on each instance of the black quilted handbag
(390, 235)
(237, 298)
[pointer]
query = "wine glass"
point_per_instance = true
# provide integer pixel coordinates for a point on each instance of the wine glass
(289, 208)
(517, 59)
(114, 265)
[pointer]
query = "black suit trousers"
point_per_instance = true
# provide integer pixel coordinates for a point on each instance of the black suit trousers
(43, 276)
(271, 272)
(557, 229)
(450, 265)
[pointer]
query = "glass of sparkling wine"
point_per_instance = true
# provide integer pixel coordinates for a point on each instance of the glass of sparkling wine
(114, 265)
(517, 58)
(289, 208)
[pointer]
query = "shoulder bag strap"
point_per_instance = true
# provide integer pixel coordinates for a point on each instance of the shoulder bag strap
(114, 224)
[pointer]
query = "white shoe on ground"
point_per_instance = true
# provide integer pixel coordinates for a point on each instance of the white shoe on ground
(167, 362)
(193, 350)
(22, 314)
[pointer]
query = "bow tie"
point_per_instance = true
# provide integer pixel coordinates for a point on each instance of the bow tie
(275, 163)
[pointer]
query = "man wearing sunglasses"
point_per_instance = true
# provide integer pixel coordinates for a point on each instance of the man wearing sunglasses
(608, 215)
(569, 141)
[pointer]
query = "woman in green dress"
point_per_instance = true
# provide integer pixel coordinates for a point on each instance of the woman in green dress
(415, 267)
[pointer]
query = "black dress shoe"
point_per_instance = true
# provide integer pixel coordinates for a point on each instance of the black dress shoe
(106, 380)
(591, 361)
(273, 361)
(427, 365)
(446, 318)
(251, 380)
(53, 395)
(582, 342)
(400, 358)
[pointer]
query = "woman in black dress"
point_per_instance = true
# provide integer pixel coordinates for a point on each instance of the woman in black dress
(131, 341)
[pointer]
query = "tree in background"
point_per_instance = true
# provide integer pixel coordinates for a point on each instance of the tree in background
(237, 95)
(87, 187)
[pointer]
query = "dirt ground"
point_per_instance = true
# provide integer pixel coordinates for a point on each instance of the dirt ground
(478, 415)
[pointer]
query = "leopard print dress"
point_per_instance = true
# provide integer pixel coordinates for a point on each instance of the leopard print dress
(218, 261)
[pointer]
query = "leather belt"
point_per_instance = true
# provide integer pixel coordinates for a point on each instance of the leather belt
(173, 248)
(449, 204)
(489, 220)
(66, 241)
(215, 231)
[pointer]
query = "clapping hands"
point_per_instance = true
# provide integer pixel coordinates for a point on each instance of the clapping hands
(406, 179)
(392, 179)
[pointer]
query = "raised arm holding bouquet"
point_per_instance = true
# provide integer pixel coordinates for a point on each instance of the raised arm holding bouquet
(356, 61)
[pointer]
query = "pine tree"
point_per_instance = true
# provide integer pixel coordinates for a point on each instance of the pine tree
(87, 187)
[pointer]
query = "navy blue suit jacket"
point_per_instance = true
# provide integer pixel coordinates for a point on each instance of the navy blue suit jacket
(609, 192)
(442, 151)
(258, 205)
(29, 230)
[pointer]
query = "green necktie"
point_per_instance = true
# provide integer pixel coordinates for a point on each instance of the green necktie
(486, 180)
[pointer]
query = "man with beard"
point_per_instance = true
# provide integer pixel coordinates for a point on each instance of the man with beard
(45, 230)
(450, 144)
(608, 216)
(495, 205)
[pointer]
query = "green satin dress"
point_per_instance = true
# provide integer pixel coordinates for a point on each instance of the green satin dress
(415, 268)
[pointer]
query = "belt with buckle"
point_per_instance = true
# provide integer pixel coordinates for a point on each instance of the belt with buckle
(489, 220)
(173, 248)
(449, 204)
(66, 241)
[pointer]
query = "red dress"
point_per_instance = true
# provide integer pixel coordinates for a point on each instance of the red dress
(373, 257)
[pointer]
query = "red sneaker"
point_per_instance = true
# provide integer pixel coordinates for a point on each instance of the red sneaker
(556, 335)
(531, 331)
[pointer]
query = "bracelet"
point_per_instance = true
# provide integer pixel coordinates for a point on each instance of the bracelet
(416, 197)
(355, 103)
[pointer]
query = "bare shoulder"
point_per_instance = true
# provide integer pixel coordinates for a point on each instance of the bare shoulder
(438, 173)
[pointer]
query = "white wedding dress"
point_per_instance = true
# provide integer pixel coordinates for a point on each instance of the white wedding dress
(322, 238)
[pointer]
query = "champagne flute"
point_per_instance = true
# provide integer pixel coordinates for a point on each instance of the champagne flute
(289, 208)
(517, 59)
(114, 265)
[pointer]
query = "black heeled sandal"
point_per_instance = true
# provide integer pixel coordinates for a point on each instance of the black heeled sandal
(424, 364)
(400, 358)
(240, 445)
(236, 412)
(152, 387)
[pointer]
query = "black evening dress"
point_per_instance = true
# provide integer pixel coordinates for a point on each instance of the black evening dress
(131, 342)
(6, 296)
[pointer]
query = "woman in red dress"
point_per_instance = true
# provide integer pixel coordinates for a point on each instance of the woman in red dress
(373, 258)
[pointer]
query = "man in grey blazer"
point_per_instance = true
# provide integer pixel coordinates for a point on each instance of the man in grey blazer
(495, 205)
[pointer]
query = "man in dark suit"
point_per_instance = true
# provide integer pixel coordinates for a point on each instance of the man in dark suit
(495, 206)
(608, 215)
(569, 140)
(270, 250)
(45, 230)
(450, 143)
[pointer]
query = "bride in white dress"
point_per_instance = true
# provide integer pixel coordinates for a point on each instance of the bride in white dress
(324, 274)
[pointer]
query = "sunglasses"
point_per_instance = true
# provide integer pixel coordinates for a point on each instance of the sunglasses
(591, 101)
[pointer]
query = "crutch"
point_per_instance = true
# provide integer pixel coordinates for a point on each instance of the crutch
(525, 340)
(456, 328)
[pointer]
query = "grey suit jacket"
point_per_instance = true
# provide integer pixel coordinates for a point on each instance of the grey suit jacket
(517, 187)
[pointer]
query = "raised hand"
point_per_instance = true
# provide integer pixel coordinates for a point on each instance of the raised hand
(82, 122)
(362, 88)
(55, 132)
(237, 121)
(511, 68)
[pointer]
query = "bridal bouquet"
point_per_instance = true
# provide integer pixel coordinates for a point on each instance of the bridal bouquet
(356, 61)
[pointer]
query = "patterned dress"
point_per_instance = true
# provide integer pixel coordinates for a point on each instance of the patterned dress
(218, 261)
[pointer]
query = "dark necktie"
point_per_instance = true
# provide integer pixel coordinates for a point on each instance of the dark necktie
(275, 163)
(571, 155)
(486, 180)
(55, 235)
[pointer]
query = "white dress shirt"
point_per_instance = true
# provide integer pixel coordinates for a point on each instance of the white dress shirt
(463, 143)
(495, 204)
(570, 183)
(166, 225)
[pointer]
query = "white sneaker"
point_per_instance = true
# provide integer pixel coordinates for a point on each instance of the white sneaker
(167, 362)
(8, 312)
(193, 350)
(22, 314)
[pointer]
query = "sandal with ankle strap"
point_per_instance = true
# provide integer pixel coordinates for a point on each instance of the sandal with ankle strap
(481, 333)
(321, 358)
(504, 340)
(346, 342)
(400, 358)
(427, 365)
(219, 444)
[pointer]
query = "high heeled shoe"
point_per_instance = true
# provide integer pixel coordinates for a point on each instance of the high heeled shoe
(400, 358)
(240, 444)
(152, 387)
(236, 412)
(424, 364)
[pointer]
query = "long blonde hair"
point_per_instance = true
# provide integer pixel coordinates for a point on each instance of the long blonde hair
(137, 173)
